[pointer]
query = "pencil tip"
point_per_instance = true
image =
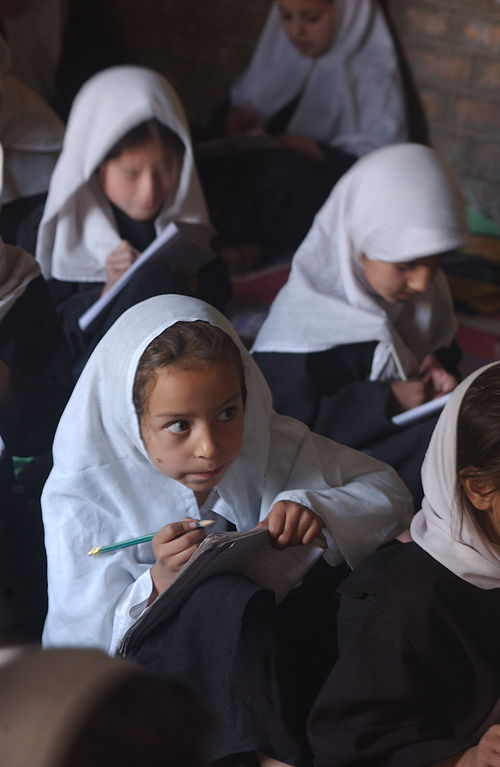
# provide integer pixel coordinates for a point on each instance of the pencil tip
(94, 551)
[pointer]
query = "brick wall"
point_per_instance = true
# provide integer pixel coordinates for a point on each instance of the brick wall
(452, 49)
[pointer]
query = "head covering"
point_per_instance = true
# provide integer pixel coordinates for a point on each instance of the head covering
(103, 487)
(78, 230)
(35, 37)
(352, 95)
(397, 204)
(460, 548)
(17, 268)
(30, 132)
(46, 699)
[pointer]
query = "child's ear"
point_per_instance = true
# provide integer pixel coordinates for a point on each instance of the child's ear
(476, 488)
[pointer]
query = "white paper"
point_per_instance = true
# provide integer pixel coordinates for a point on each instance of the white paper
(417, 413)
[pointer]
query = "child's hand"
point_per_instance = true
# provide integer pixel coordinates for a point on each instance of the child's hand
(241, 119)
(407, 394)
(302, 145)
(436, 378)
(289, 523)
(485, 754)
(118, 261)
(173, 546)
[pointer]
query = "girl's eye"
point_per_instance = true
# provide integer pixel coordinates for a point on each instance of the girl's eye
(312, 19)
(178, 427)
(403, 267)
(226, 414)
(130, 174)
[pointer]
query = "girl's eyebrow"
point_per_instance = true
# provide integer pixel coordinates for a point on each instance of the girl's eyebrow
(232, 398)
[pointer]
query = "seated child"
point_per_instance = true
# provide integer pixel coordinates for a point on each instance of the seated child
(355, 335)
(417, 681)
(170, 422)
(126, 171)
(324, 81)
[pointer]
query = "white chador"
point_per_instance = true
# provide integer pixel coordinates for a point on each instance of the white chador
(438, 528)
(78, 230)
(30, 132)
(397, 204)
(103, 487)
(351, 97)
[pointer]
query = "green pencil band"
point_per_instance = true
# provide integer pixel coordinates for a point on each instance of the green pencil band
(135, 541)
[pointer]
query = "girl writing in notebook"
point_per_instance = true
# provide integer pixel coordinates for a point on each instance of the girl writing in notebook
(324, 82)
(362, 329)
(126, 171)
(417, 681)
(169, 423)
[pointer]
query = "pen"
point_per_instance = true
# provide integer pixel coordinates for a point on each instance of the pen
(134, 541)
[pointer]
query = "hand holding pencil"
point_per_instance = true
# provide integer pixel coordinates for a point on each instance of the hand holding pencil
(173, 546)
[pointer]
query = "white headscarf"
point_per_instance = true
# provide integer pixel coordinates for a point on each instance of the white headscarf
(104, 488)
(397, 204)
(460, 548)
(352, 95)
(30, 132)
(78, 230)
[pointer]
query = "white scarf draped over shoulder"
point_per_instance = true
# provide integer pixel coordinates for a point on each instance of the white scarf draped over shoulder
(78, 230)
(461, 548)
(103, 487)
(397, 204)
(352, 96)
(31, 134)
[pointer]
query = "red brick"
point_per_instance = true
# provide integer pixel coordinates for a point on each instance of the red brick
(478, 114)
(482, 32)
(427, 22)
(488, 75)
(486, 160)
(439, 66)
(432, 102)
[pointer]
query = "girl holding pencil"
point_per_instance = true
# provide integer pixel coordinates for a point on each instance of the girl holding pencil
(171, 423)
(125, 173)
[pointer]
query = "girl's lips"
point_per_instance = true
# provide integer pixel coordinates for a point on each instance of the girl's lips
(210, 474)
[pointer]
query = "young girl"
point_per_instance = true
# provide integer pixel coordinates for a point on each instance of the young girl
(418, 676)
(171, 422)
(324, 80)
(353, 337)
(126, 171)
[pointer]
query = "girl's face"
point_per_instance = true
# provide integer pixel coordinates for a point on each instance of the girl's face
(309, 24)
(192, 425)
(485, 498)
(141, 179)
(400, 282)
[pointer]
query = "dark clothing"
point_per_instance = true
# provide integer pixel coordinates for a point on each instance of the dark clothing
(257, 666)
(33, 346)
(152, 279)
(20, 219)
(418, 670)
(331, 393)
(268, 196)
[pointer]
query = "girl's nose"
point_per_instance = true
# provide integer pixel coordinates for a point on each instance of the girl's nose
(149, 187)
(421, 278)
(297, 28)
(207, 445)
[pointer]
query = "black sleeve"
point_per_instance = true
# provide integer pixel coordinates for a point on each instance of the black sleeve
(330, 392)
(214, 284)
(382, 704)
(449, 357)
(33, 346)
